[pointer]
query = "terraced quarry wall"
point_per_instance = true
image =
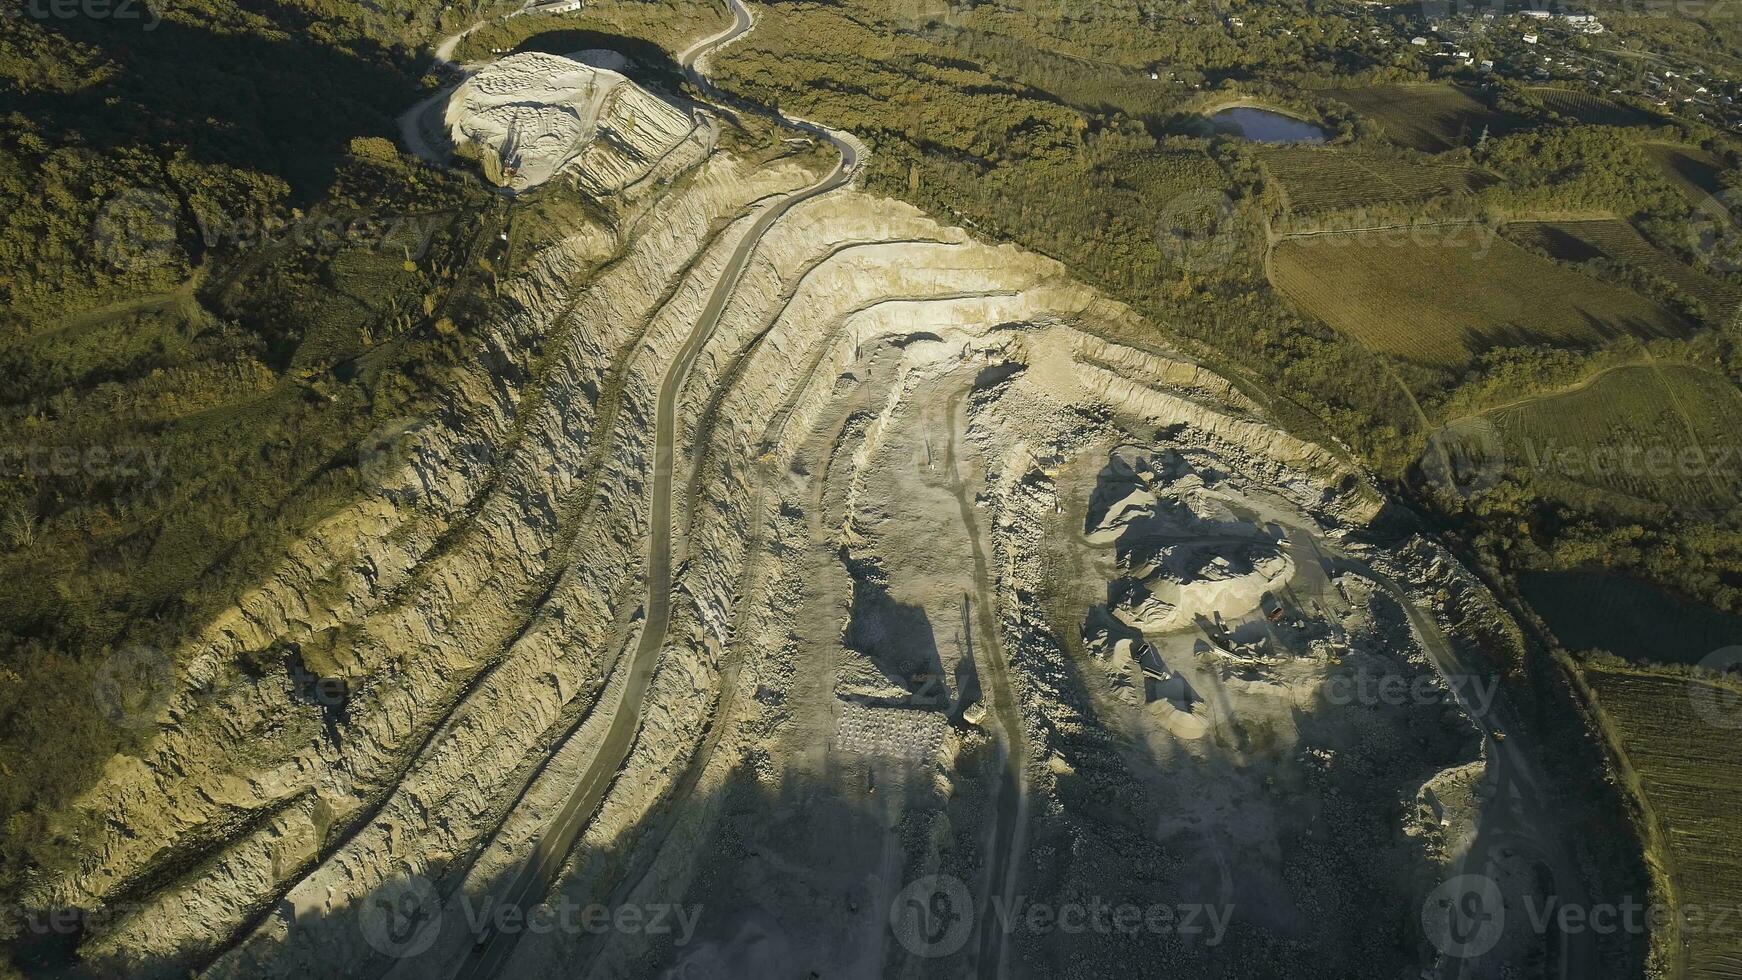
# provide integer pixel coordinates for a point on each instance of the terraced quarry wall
(884, 438)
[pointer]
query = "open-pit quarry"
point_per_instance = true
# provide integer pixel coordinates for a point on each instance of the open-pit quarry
(843, 585)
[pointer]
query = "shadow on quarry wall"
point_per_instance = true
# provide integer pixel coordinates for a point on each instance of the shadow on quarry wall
(819, 876)
(996, 374)
(652, 65)
(1322, 879)
(824, 875)
(1305, 830)
(404, 919)
(899, 638)
(848, 869)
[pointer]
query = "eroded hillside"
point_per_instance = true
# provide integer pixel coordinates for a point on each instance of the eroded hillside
(975, 586)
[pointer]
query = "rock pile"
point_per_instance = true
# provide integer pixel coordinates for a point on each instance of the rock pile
(532, 116)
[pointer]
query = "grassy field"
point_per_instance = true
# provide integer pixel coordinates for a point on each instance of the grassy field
(1426, 117)
(1320, 179)
(1692, 170)
(1452, 292)
(1581, 241)
(1688, 771)
(1661, 434)
(1588, 107)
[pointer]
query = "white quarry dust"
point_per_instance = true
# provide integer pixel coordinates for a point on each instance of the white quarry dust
(914, 457)
(539, 115)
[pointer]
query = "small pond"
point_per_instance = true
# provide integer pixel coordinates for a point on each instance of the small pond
(1264, 126)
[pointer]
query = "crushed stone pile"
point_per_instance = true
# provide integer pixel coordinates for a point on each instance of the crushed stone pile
(537, 115)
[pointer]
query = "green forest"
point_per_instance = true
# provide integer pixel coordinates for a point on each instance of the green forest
(217, 275)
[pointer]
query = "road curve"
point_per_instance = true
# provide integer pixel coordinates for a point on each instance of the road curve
(411, 121)
(537, 876)
(741, 23)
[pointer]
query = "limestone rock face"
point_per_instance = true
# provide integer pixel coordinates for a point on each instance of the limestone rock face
(883, 410)
(538, 115)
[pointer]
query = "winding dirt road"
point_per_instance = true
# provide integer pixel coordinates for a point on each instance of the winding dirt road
(1012, 805)
(537, 876)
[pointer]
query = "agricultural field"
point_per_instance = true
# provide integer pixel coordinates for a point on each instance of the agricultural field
(1430, 118)
(1321, 179)
(1440, 295)
(1662, 434)
(1681, 737)
(1590, 108)
(1582, 241)
(1692, 170)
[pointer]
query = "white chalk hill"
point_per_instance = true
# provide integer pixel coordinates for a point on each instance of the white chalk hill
(538, 115)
